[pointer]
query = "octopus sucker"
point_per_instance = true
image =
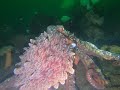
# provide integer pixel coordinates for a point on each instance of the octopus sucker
(90, 76)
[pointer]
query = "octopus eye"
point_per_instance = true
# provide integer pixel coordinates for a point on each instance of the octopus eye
(73, 45)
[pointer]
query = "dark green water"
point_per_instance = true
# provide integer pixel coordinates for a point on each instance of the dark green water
(12, 10)
(17, 16)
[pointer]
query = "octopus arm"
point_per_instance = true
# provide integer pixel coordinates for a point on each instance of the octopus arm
(108, 55)
(91, 49)
(93, 73)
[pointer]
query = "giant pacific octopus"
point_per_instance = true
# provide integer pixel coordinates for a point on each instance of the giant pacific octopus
(84, 51)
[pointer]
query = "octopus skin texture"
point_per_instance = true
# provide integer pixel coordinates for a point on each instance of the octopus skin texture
(49, 59)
